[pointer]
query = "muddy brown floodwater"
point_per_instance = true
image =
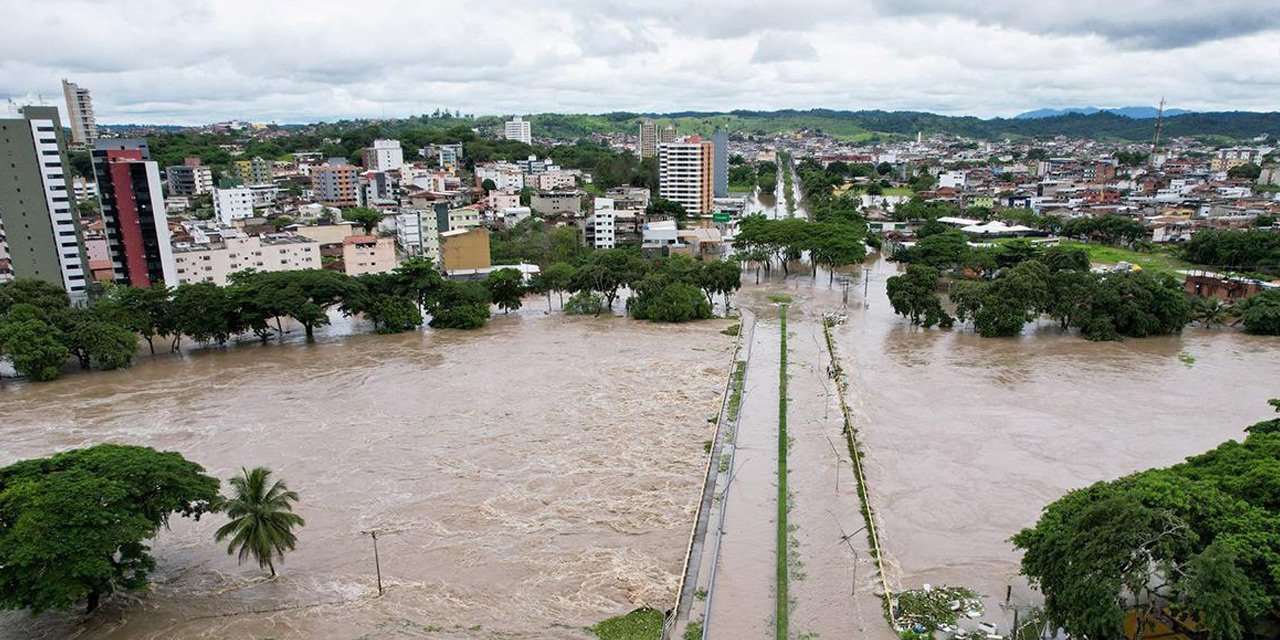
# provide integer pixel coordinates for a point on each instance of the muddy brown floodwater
(527, 480)
(968, 438)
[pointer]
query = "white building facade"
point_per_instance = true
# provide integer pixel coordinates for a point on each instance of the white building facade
(232, 204)
(518, 129)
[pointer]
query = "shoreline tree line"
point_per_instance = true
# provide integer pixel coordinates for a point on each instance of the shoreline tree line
(40, 330)
(1000, 290)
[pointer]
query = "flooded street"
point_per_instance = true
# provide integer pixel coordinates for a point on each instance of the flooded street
(527, 480)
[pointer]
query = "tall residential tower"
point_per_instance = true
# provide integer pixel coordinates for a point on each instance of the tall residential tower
(38, 217)
(134, 217)
(648, 139)
(84, 129)
(519, 129)
(685, 173)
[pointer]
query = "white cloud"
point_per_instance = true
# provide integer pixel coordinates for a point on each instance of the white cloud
(293, 60)
(783, 47)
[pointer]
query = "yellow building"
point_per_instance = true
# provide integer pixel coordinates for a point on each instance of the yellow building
(464, 249)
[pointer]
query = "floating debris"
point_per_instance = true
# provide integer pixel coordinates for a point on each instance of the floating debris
(930, 609)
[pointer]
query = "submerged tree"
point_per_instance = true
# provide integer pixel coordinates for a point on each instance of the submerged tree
(262, 519)
(74, 527)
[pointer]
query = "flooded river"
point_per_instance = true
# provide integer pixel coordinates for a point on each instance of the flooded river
(967, 438)
(539, 475)
(527, 480)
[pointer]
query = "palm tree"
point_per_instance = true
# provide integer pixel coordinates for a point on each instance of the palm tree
(1211, 311)
(262, 518)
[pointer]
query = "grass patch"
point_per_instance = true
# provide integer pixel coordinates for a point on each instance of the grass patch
(641, 624)
(781, 600)
(1160, 261)
(732, 330)
(780, 298)
(693, 631)
(735, 392)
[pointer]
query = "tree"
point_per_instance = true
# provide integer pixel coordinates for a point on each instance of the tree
(1196, 542)
(459, 305)
(383, 300)
(661, 207)
(1260, 314)
(261, 519)
(33, 347)
(99, 343)
(74, 526)
(1246, 171)
(306, 295)
(1210, 311)
(488, 185)
(607, 270)
(662, 298)
(366, 217)
(48, 298)
(506, 288)
(722, 277)
(914, 296)
(142, 311)
(419, 278)
(559, 278)
(203, 312)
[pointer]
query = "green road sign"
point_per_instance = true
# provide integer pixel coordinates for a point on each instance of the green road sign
(720, 217)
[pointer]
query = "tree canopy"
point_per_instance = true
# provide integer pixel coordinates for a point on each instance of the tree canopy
(1196, 542)
(74, 526)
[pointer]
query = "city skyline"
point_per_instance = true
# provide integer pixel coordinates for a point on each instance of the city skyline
(206, 62)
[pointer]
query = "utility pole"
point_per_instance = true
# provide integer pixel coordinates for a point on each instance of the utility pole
(377, 565)
(1155, 142)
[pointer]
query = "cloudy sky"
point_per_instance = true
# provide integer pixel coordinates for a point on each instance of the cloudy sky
(199, 61)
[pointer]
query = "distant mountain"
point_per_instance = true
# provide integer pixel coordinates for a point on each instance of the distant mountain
(1137, 113)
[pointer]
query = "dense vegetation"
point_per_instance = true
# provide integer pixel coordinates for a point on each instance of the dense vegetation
(1017, 283)
(75, 526)
(1235, 250)
(1193, 545)
(872, 125)
(40, 329)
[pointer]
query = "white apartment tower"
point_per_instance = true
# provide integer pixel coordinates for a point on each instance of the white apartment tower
(685, 173)
(232, 204)
(518, 129)
(384, 155)
(84, 129)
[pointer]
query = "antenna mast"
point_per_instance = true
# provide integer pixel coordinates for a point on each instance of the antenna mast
(1155, 142)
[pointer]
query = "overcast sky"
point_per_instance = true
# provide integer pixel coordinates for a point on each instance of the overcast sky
(200, 61)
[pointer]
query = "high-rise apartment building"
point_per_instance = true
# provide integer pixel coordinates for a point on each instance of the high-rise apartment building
(189, 179)
(648, 139)
(38, 217)
(336, 184)
(255, 170)
(720, 164)
(685, 173)
(84, 128)
(384, 155)
(134, 219)
(667, 134)
(518, 129)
